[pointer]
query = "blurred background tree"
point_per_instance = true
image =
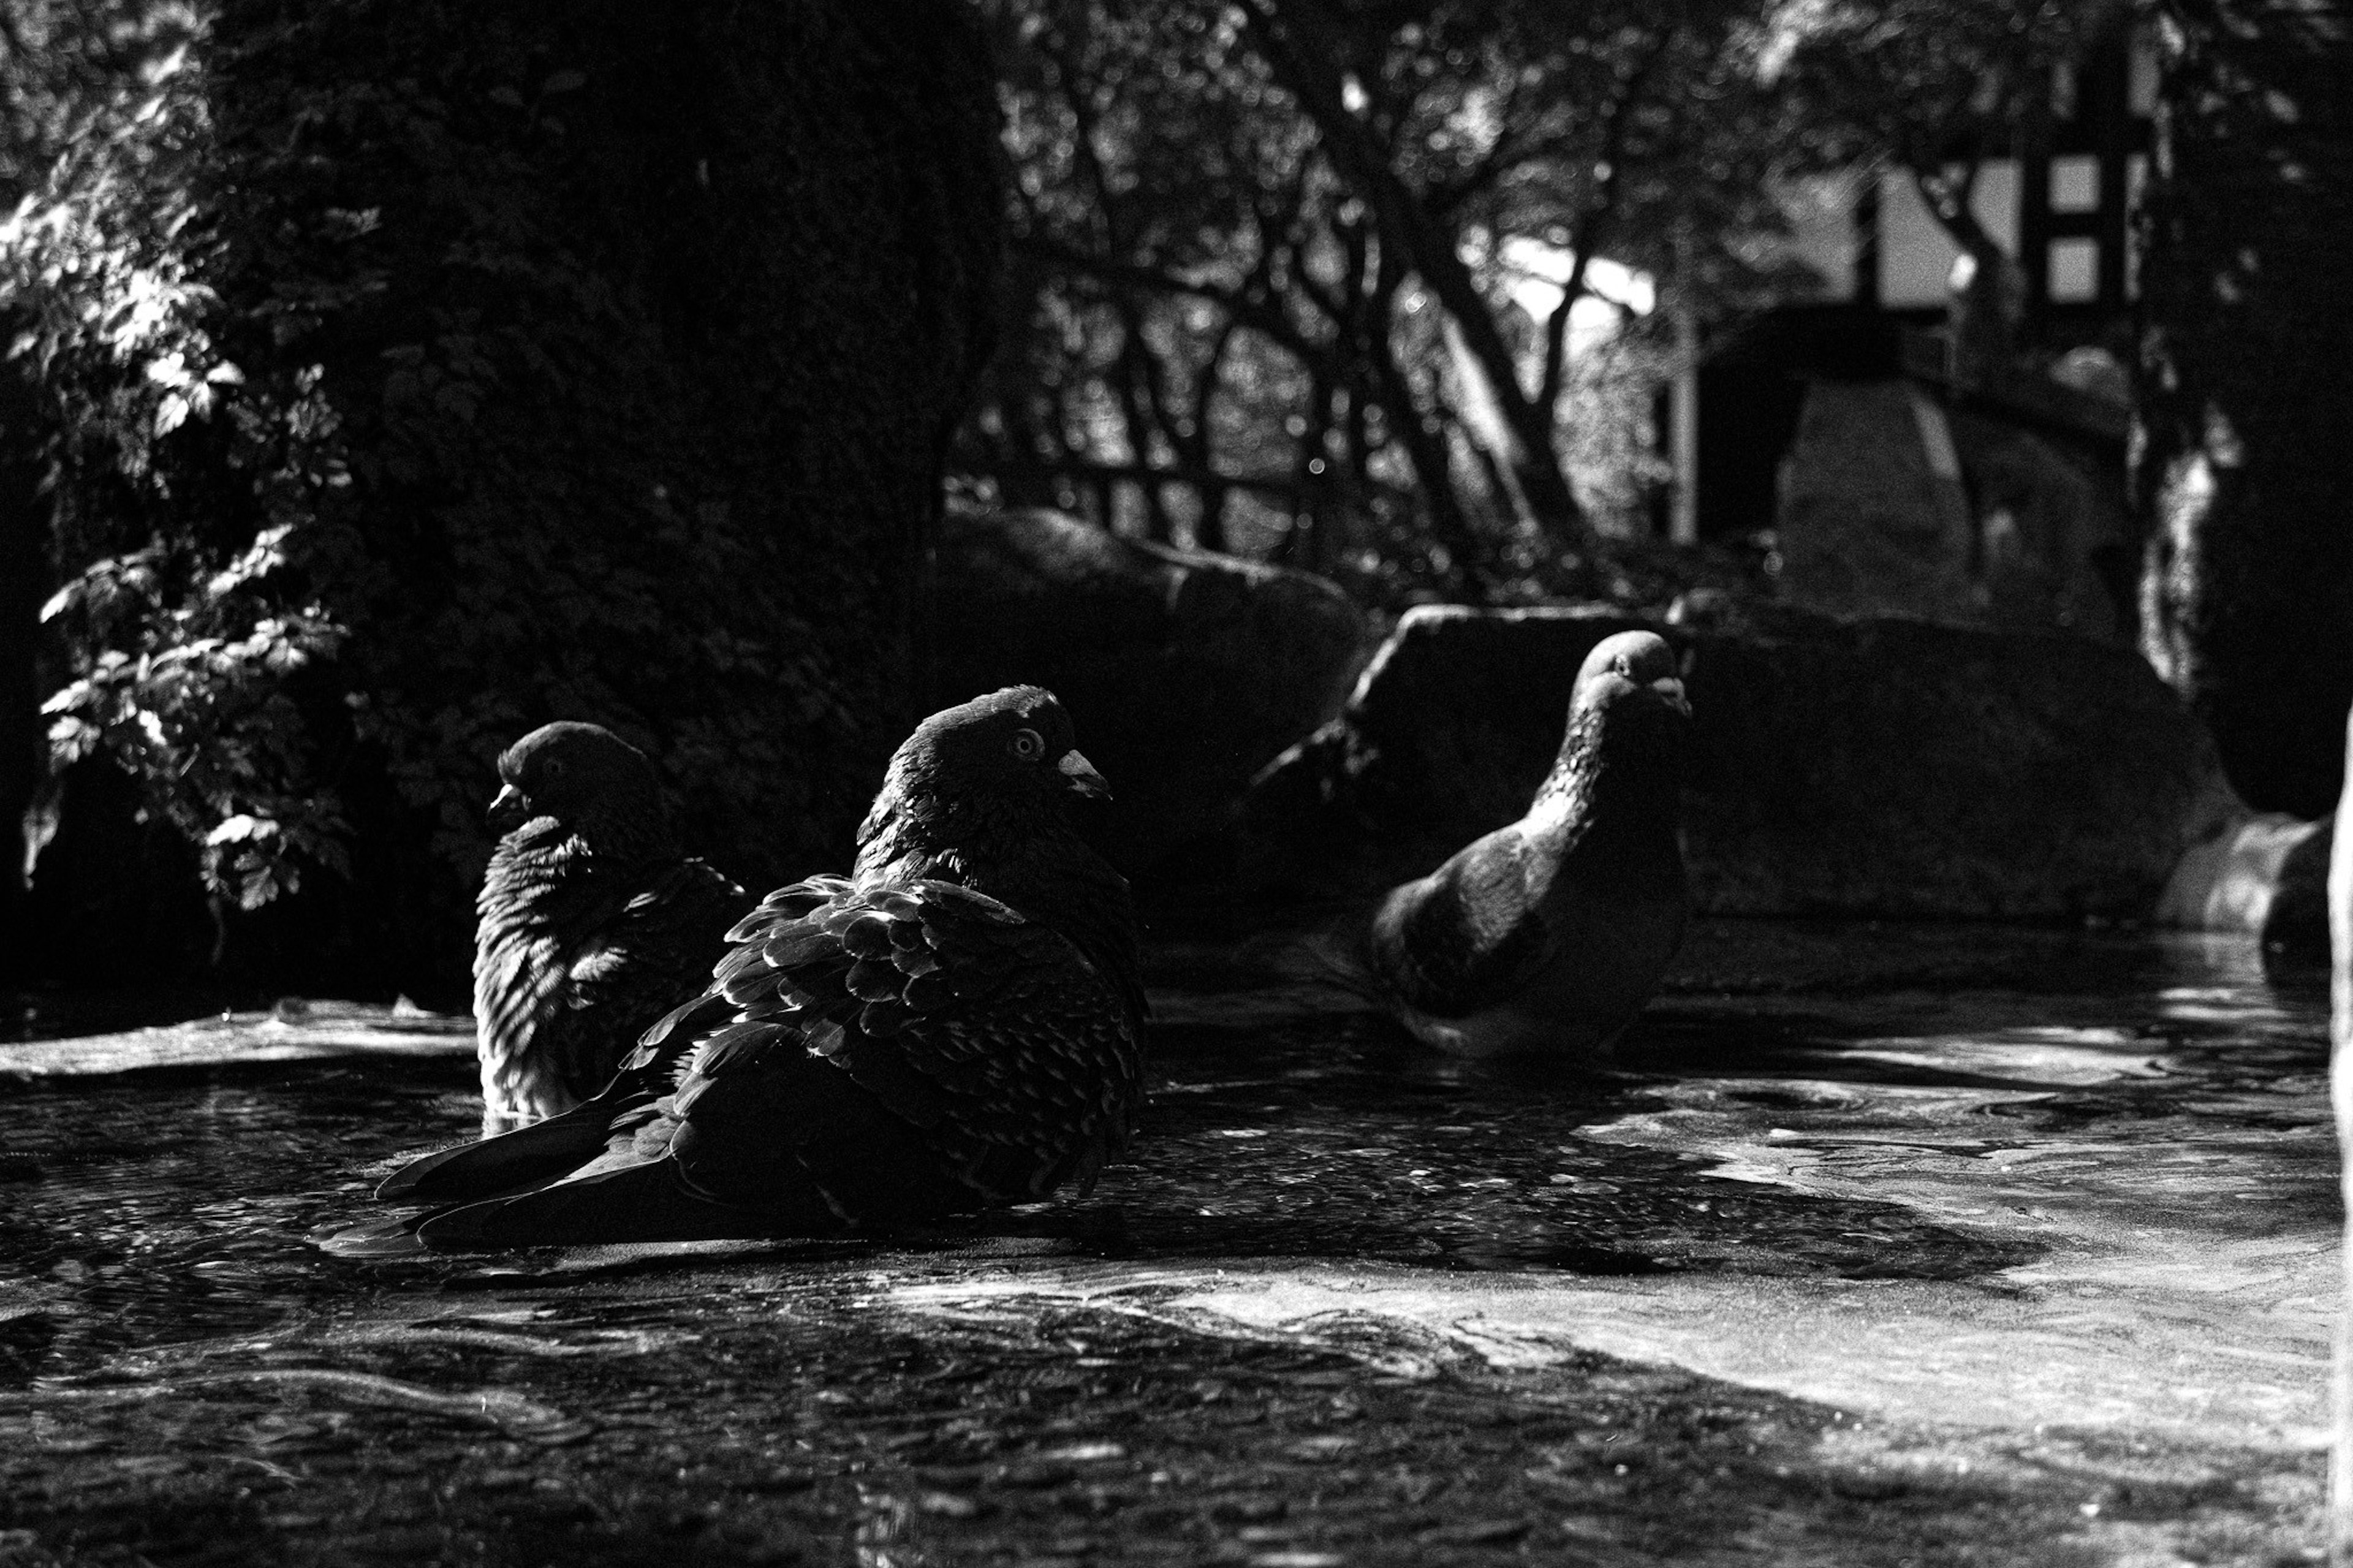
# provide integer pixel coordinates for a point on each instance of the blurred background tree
(1389, 287)
(1371, 288)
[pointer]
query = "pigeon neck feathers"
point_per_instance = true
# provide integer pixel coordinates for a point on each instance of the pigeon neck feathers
(1616, 771)
(1617, 779)
(961, 803)
(547, 880)
(1028, 858)
(610, 838)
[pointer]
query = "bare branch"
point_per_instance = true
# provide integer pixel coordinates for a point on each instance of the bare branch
(1259, 315)
(1949, 199)
(1424, 445)
(1096, 472)
(1594, 224)
(1302, 48)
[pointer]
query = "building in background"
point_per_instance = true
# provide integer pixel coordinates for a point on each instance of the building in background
(1900, 473)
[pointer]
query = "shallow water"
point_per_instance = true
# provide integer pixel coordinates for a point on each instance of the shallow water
(1874, 1245)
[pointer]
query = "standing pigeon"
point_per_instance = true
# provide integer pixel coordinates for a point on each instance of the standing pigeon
(591, 923)
(958, 1022)
(1550, 934)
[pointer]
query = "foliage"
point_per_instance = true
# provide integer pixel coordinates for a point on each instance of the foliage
(181, 643)
(1922, 81)
(191, 692)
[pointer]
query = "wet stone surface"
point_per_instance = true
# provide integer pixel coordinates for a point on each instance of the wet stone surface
(1875, 1245)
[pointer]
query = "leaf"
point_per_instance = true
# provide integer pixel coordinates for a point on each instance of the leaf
(71, 739)
(258, 885)
(235, 830)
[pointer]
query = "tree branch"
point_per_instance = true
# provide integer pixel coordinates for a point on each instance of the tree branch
(1302, 50)
(1096, 471)
(1424, 445)
(1949, 199)
(1593, 224)
(1210, 533)
(1256, 314)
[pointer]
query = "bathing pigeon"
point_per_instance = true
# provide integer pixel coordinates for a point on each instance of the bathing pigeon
(1550, 934)
(591, 923)
(956, 1023)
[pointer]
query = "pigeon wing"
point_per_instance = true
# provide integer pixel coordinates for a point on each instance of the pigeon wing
(908, 1047)
(1467, 936)
(654, 951)
(663, 950)
(572, 960)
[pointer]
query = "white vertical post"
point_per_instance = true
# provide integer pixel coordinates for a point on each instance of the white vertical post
(2340, 1540)
(1683, 436)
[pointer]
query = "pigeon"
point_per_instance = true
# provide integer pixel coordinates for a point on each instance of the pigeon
(1548, 936)
(591, 924)
(958, 1023)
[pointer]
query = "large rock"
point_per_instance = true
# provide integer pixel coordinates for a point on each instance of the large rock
(1873, 519)
(1894, 504)
(1872, 768)
(1184, 671)
(2051, 541)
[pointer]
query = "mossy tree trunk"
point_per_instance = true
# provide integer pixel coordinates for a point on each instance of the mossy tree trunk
(586, 359)
(2247, 384)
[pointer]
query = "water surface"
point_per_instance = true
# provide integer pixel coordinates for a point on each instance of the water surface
(1874, 1245)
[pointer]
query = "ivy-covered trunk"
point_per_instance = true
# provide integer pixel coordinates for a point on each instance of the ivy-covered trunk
(536, 359)
(2247, 384)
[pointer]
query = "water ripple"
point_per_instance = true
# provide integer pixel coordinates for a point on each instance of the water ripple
(512, 1413)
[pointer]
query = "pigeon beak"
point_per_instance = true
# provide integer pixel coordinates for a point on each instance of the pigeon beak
(510, 806)
(1082, 774)
(1671, 691)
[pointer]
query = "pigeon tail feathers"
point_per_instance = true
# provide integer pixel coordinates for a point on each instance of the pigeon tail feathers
(538, 1151)
(635, 1203)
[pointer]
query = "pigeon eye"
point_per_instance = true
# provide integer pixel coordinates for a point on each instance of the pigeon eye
(1029, 745)
(551, 768)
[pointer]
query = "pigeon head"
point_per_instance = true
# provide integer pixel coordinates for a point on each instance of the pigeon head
(980, 794)
(588, 779)
(1628, 705)
(1009, 756)
(1632, 668)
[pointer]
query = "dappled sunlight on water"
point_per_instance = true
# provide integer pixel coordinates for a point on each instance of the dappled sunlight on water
(1862, 1235)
